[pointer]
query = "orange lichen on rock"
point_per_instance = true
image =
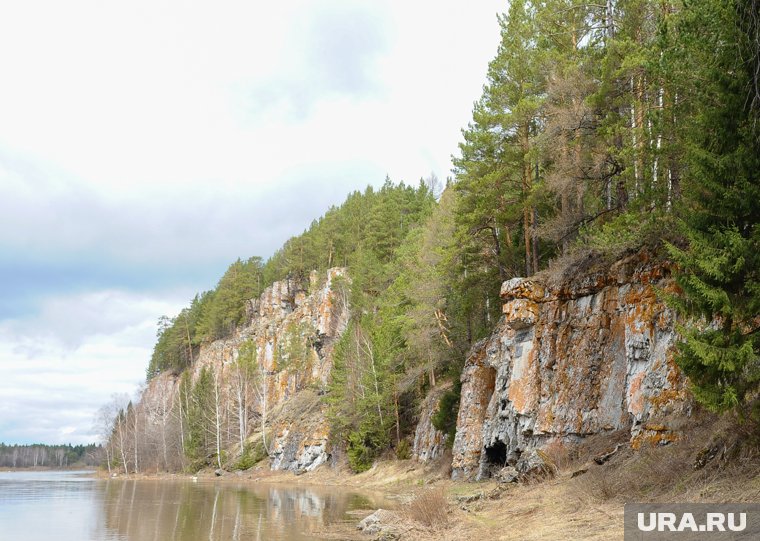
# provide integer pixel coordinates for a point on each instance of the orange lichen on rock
(520, 313)
(520, 288)
(588, 355)
(478, 385)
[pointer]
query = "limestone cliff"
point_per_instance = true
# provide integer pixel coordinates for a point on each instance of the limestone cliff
(293, 332)
(429, 442)
(591, 354)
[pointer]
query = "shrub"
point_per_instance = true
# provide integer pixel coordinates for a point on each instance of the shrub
(403, 450)
(360, 454)
(445, 417)
(252, 455)
(430, 508)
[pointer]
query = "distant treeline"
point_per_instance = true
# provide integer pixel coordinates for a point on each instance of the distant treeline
(39, 455)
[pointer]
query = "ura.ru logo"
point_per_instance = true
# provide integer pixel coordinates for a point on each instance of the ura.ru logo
(686, 522)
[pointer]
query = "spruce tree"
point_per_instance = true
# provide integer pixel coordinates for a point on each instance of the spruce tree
(719, 271)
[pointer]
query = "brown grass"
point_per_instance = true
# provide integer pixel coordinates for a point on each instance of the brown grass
(675, 472)
(589, 506)
(430, 508)
(644, 476)
(559, 454)
(571, 457)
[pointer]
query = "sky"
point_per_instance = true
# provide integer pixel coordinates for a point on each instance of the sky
(145, 145)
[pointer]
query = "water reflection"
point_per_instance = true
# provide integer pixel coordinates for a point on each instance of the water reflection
(126, 510)
(147, 510)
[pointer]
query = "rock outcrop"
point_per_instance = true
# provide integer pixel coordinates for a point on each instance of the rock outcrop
(429, 442)
(586, 356)
(291, 332)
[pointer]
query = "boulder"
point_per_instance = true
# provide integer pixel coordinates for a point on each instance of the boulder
(380, 522)
(535, 465)
(507, 475)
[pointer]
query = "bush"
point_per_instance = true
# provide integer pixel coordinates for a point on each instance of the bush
(430, 508)
(403, 450)
(360, 455)
(445, 418)
(252, 455)
(365, 444)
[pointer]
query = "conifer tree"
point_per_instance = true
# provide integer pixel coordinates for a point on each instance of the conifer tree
(719, 271)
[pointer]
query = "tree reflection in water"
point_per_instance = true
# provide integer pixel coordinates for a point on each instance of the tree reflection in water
(155, 510)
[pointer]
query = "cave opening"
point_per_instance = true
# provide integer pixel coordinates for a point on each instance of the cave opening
(496, 454)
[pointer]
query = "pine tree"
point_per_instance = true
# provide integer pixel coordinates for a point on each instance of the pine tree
(496, 169)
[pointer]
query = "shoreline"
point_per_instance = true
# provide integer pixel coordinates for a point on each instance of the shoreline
(583, 500)
(387, 476)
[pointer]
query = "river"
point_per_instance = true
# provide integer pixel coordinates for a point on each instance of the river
(75, 506)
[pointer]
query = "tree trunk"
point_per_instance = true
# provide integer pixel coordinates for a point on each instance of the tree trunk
(217, 419)
(527, 211)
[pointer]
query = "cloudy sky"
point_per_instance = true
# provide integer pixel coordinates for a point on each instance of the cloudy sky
(145, 145)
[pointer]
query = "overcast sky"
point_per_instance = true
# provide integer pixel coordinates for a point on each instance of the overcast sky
(145, 145)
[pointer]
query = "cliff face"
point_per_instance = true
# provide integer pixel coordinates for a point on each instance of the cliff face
(591, 355)
(293, 332)
(588, 355)
(429, 442)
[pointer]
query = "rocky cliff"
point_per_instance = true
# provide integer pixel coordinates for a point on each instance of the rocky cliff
(588, 355)
(292, 331)
(429, 442)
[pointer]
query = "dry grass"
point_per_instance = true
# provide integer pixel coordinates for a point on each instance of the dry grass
(571, 457)
(430, 508)
(716, 461)
(559, 454)
(574, 262)
(589, 506)
(650, 474)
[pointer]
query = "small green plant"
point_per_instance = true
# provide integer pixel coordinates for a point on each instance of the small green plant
(445, 417)
(403, 450)
(252, 455)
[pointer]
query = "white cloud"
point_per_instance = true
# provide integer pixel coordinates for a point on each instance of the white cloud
(145, 145)
(68, 322)
(58, 367)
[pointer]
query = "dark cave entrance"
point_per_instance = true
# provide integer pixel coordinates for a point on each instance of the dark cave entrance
(496, 454)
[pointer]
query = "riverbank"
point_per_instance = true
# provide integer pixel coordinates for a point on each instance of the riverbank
(583, 500)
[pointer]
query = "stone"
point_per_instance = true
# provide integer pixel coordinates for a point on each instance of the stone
(591, 354)
(469, 498)
(507, 474)
(535, 465)
(380, 521)
(523, 288)
(218, 472)
(429, 442)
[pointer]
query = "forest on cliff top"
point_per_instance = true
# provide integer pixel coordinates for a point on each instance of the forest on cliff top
(602, 128)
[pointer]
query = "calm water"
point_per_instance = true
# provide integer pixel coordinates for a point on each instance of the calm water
(71, 506)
